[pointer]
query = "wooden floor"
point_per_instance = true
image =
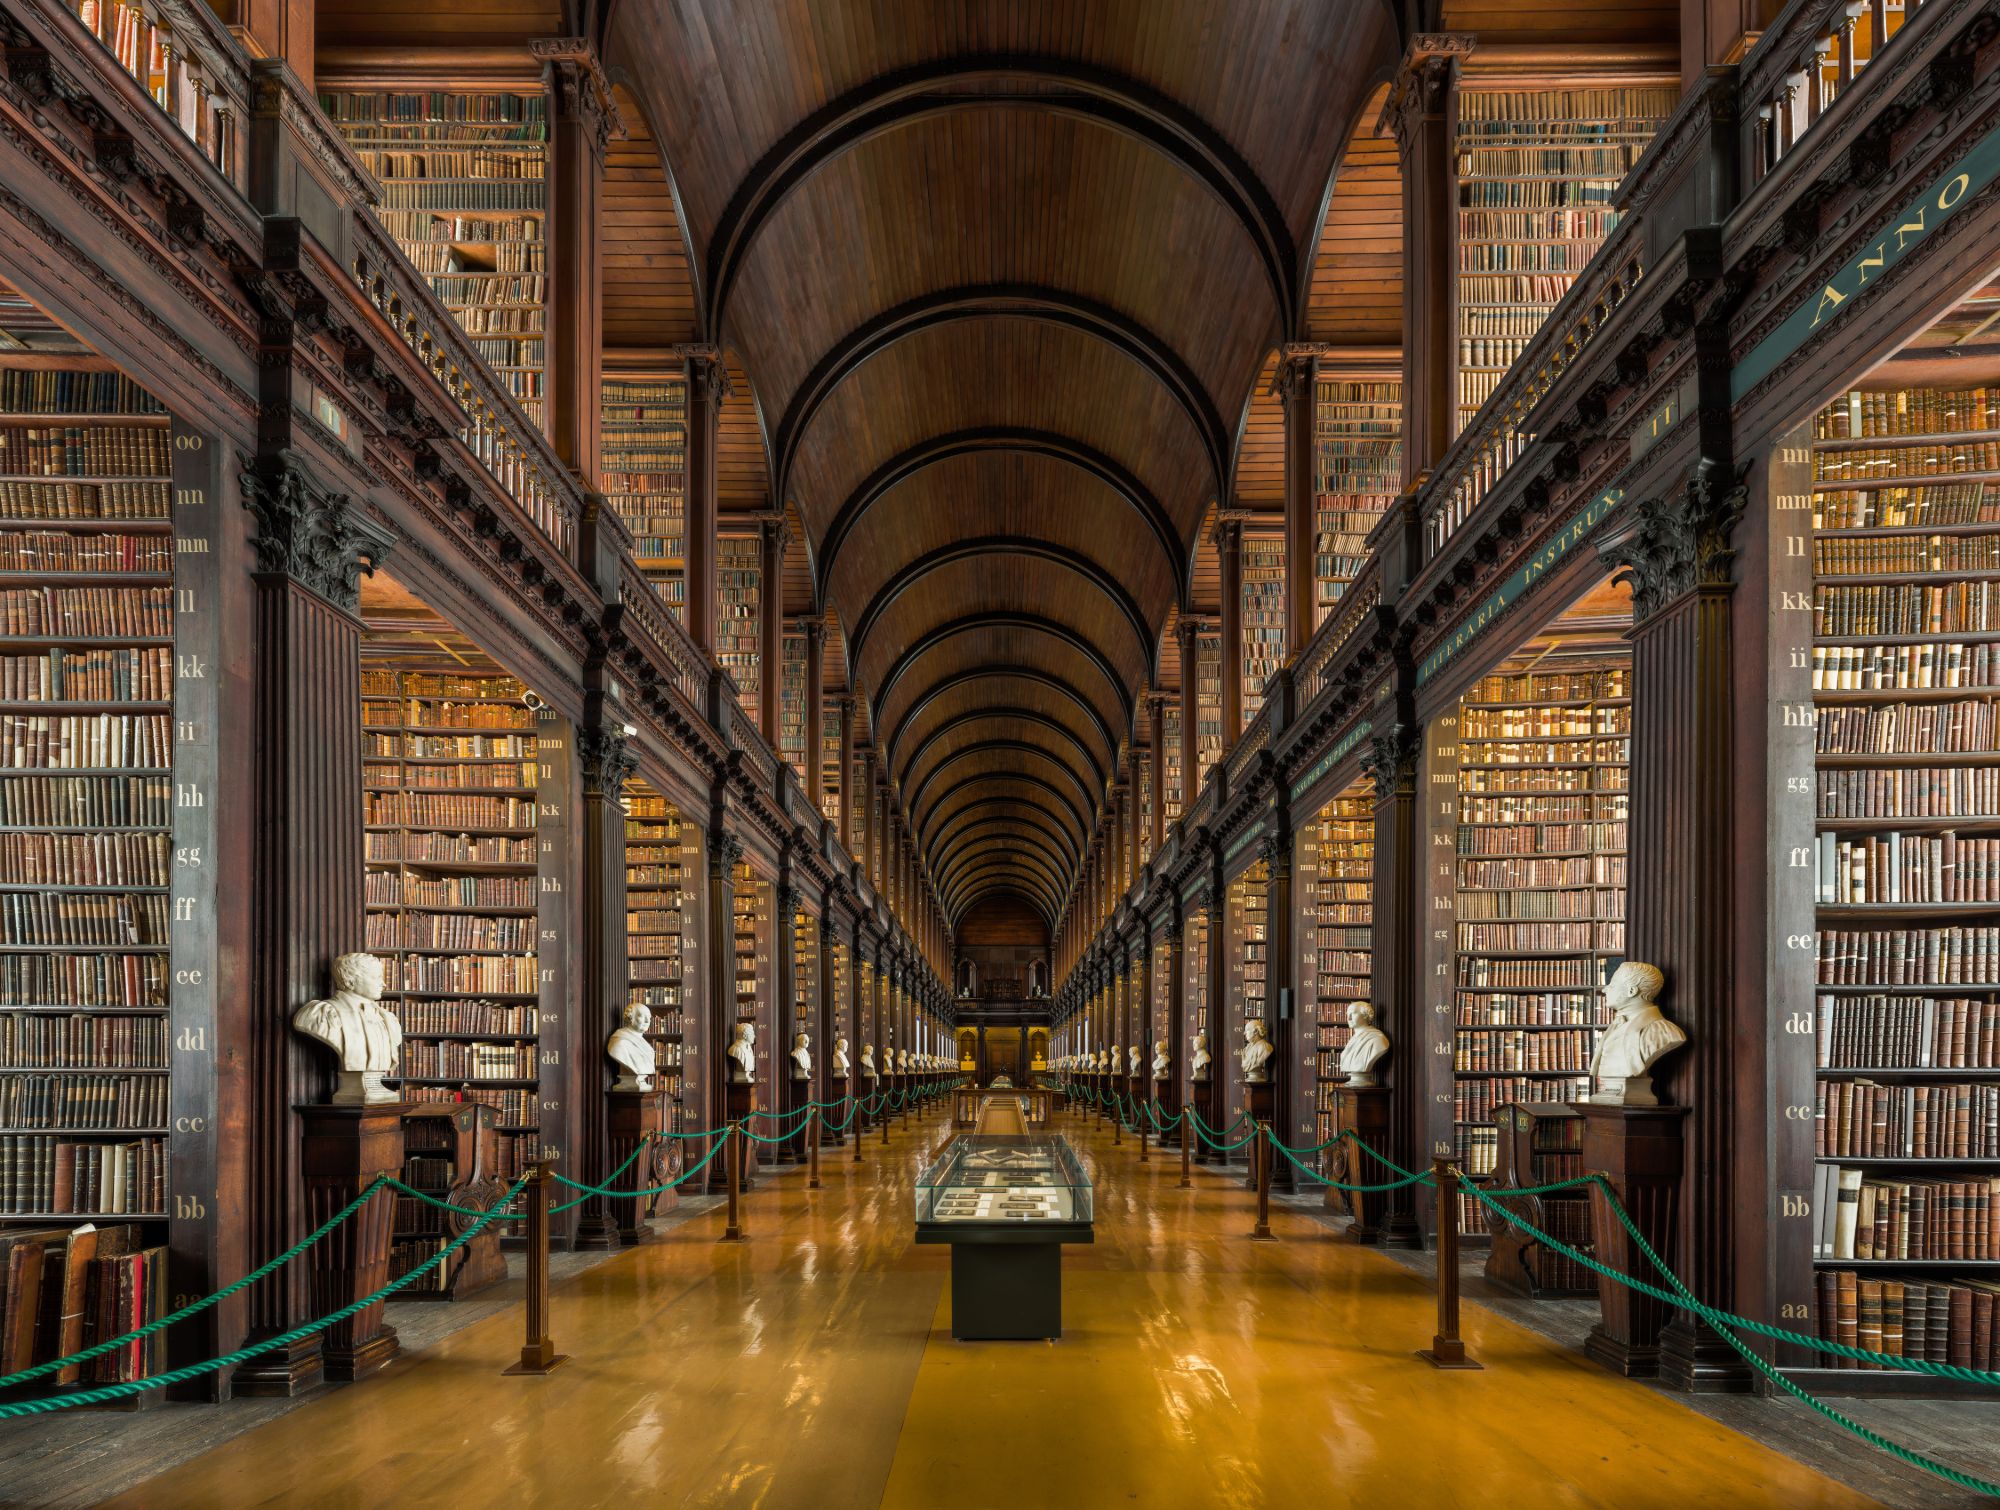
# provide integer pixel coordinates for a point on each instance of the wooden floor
(813, 1366)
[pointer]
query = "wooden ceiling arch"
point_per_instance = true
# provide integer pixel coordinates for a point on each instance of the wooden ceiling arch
(1019, 826)
(972, 884)
(1014, 716)
(1034, 792)
(1010, 810)
(938, 696)
(1033, 623)
(973, 859)
(980, 749)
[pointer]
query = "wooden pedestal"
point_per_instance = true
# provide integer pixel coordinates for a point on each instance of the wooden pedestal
(345, 1148)
(799, 1097)
(739, 1101)
(633, 1116)
(1258, 1099)
(1363, 1111)
(831, 1136)
(1203, 1097)
(1640, 1150)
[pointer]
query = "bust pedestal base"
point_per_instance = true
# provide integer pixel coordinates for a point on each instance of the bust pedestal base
(1364, 1112)
(1259, 1097)
(346, 1147)
(1640, 1150)
(836, 1092)
(635, 1116)
(1204, 1096)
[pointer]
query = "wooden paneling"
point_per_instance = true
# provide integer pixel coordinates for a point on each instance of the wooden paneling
(398, 24)
(742, 472)
(1357, 277)
(1260, 447)
(648, 290)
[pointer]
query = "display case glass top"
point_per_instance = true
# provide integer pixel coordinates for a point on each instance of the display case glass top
(986, 1178)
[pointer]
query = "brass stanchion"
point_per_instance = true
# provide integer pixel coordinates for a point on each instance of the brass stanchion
(1187, 1151)
(1260, 1167)
(812, 1149)
(1447, 1349)
(733, 1231)
(538, 1350)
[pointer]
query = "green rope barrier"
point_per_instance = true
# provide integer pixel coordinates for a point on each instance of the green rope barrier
(1339, 1137)
(600, 1189)
(784, 1137)
(1425, 1178)
(96, 1350)
(681, 1178)
(270, 1344)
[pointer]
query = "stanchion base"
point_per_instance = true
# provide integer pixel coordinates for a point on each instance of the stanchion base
(1261, 1237)
(733, 1235)
(813, 1183)
(1436, 1360)
(554, 1362)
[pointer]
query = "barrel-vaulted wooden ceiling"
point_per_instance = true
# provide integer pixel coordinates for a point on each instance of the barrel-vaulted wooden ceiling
(1002, 278)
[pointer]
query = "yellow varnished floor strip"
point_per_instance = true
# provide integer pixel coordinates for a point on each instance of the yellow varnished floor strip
(814, 1367)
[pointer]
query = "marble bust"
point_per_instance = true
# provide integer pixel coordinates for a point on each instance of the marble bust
(364, 1036)
(1133, 1067)
(743, 1053)
(1366, 1046)
(1160, 1061)
(1639, 1035)
(802, 1059)
(868, 1061)
(1256, 1052)
(1199, 1068)
(629, 1049)
(840, 1064)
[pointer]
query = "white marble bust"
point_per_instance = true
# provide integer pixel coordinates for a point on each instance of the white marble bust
(1199, 1068)
(629, 1049)
(1366, 1046)
(364, 1036)
(840, 1061)
(1639, 1035)
(743, 1053)
(1256, 1052)
(1132, 1054)
(1161, 1064)
(868, 1061)
(902, 1061)
(802, 1059)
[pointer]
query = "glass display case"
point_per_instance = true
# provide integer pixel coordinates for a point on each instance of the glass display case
(987, 1178)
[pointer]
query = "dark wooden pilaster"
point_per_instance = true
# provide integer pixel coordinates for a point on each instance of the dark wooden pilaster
(605, 762)
(1171, 1099)
(306, 907)
(1297, 374)
(1156, 713)
(1289, 1064)
(815, 633)
(784, 990)
(724, 850)
(1677, 551)
(582, 119)
(1420, 112)
(707, 387)
(1398, 964)
(773, 536)
(1185, 633)
(849, 813)
(1229, 558)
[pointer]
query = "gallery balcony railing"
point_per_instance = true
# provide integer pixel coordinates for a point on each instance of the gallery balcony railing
(1802, 65)
(184, 58)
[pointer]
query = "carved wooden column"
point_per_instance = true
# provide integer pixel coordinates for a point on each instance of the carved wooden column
(724, 850)
(1678, 552)
(774, 534)
(707, 387)
(1391, 762)
(602, 972)
(1288, 1063)
(1420, 111)
(1171, 1099)
(583, 117)
(1298, 372)
(306, 907)
(1156, 712)
(1229, 557)
(1185, 634)
(815, 633)
(784, 992)
(846, 826)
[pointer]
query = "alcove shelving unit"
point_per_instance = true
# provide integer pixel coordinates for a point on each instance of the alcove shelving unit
(656, 887)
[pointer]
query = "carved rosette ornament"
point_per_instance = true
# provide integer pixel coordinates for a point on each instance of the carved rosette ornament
(1391, 760)
(310, 534)
(1669, 546)
(607, 761)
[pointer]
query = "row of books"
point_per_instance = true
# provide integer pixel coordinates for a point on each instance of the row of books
(450, 931)
(1582, 777)
(1967, 726)
(379, 681)
(76, 501)
(1527, 974)
(1558, 722)
(1859, 415)
(1863, 1119)
(83, 980)
(1898, 668)
(1542, 752)
(1907, 1032)
(48, 1040)
(447, 256)
(86, 741)
(64, 1290)
(425, 847)
(1586, 111)
(1541, 938)
(504, 973)
(1474, 1100)
(1909, 792)
(90, 801)
(1865, 464)
(499, 160)
(502, 320)
(1952, 956)
(421, 714)
(126, 674)
(450, 775)
(27, 391)
(452, 746)
(1907, 869)
(1606, 869)
(388, 888)
(1886, 555)
(449, 810)
(87, 611)
(435, 106)
(465, 196)
(42, 1173)
(91, 551)
(82, 918)
(1481, 1050)
(468, 1017)
(1549, 904)
(1477, 811)
(79, 1103)
(418, 227)
(1942, 1321)
(1881, 1220)
(425, 1060)
(1541, 1009)
(1936, 506)
(83, 451)
(1911, 608)
(85, 859)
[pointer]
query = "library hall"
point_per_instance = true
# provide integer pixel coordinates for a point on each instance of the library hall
(897, 753)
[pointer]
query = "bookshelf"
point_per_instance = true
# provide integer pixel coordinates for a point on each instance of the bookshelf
(454, 776)
(840, 996)
(1160, 1009)
(791, 740)
(1336, 878)
(1145, 770)
(738, 584)
(643, 420)
(1194, 991)
(657, 881)
(1247, 967)
(750, 946)
(805, 982)
(1171, 743)
(464, 193)
(1357, 473)
(1538, 169)
(88, 829)
(1536, 880)
(1208, 741)
(1263, 618)
(1905, 686)
(829, 762)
